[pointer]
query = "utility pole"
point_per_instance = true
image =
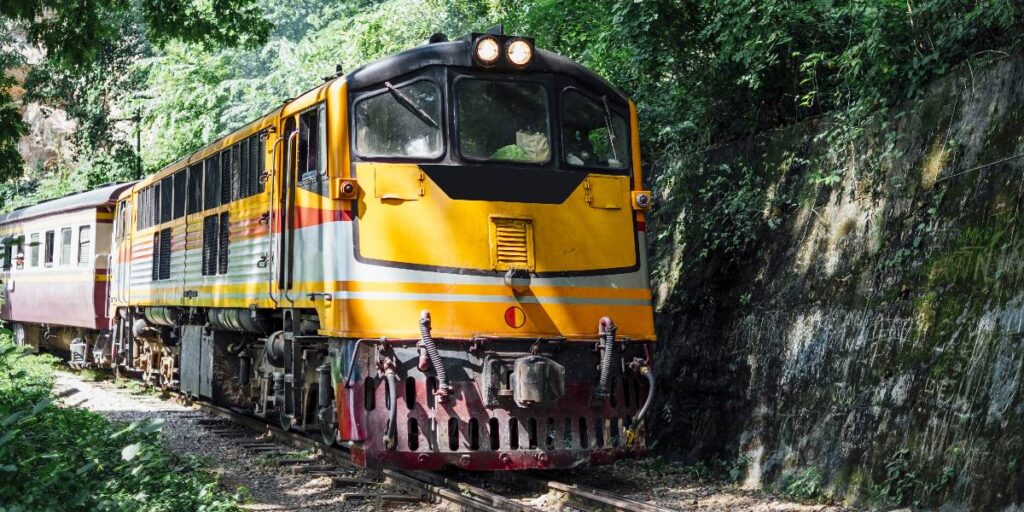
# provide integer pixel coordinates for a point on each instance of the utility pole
(137, 119)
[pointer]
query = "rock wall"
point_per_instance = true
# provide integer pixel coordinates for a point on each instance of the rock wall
(48, 141)
(872, 337)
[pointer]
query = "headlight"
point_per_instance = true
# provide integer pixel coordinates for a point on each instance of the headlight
(487, 50)
(519, 52)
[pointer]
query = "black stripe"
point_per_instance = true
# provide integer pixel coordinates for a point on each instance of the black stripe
(504, 183)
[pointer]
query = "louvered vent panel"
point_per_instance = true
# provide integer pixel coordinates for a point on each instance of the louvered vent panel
(225, 177)
(244, 165)
(165, 253)
(209, 244)
(236, 173)
(155, 271)
(225, 225)
(512, 243)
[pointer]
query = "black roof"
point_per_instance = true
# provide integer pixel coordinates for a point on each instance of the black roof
(459, 53)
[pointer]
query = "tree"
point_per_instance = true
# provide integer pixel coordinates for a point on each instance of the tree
(74, 35)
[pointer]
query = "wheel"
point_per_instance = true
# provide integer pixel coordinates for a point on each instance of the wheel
(328, 421)
(284, 419)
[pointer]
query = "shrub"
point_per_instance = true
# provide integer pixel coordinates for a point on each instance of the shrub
(54, 458)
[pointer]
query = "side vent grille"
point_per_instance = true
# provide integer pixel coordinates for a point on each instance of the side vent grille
(210, 245)
(511, 243)
(165, 254)
(161, 255)
(225, 229)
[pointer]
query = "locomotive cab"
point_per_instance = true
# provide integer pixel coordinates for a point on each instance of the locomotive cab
(496, 194)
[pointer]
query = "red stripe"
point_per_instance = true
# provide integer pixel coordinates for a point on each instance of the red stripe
(641, 226)
(306, 217)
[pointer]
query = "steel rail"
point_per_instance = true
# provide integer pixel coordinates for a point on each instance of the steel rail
(596, 495)
(426, 483)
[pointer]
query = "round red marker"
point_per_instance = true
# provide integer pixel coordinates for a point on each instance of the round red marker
(515, 317)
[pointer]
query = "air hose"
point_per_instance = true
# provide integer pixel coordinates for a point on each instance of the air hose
(427, 343)
(634, 425)
(389, 435)
(606, 332)
(646, 372)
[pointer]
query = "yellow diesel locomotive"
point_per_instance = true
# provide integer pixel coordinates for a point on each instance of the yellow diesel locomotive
(435, 259)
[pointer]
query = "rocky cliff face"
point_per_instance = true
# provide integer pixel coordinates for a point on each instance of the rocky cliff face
(872, 337)
(48, 141)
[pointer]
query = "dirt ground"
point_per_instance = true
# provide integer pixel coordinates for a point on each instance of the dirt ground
(273, 488)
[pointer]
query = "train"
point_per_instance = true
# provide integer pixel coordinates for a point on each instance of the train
(434, 260)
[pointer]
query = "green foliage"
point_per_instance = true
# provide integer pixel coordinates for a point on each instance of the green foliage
(72, 33)
(804, 486)
(903, 485)
(717, 470)
(899, 482)
(54, 458)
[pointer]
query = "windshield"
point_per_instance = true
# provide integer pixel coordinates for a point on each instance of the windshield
(400, 122)
(505, 121)
(594, 135)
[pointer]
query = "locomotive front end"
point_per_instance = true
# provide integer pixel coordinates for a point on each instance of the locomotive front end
(495, 310)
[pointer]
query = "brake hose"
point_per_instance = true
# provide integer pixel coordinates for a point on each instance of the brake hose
(389, 434)
(606, 331)
(435, 358)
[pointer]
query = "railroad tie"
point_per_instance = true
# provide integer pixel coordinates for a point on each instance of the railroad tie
(398, 498)
(346, 481)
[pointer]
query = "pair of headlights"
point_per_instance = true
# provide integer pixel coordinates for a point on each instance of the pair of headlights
(517, 51)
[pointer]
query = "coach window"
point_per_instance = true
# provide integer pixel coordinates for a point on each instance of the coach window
(33, 250)
(593, 134)
(84, 245)
(48, 240)
(19, 253)
(400, 122)
(65, 247)
(503, 121)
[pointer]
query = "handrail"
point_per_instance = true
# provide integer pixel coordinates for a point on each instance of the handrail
(270, 223)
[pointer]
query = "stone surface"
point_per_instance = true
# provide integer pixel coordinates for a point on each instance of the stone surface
(874, 334)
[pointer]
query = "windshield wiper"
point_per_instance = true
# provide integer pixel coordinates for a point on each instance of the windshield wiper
(408, 104)
(608, 125)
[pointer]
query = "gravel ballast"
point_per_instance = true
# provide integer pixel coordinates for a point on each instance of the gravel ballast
(275, 487)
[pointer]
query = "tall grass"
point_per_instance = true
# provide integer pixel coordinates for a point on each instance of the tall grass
(56, 458)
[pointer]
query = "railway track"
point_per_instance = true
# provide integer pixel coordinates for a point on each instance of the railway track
(421, 485)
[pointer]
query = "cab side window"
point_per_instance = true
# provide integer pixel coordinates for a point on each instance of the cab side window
(313, 150)
(594, 134)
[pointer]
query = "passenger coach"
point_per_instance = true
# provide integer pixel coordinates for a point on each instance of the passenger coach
(53, 270)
